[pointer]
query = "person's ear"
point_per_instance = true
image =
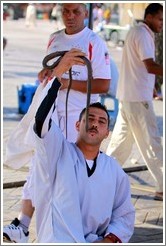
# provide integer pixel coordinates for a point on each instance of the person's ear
(86, 14)
(149, 17)
(77, 126)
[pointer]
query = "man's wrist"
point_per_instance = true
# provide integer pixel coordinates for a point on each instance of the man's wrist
(112, 238)
(57, 73)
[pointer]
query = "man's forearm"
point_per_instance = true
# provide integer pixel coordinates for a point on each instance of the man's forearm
(98, 86)
(153, 67)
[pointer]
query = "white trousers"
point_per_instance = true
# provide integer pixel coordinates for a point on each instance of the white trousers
(136, 122)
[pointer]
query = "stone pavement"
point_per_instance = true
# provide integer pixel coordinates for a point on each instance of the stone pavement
(21, 62)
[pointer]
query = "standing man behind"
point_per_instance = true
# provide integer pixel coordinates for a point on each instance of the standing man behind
(136, 121)
(75, 35)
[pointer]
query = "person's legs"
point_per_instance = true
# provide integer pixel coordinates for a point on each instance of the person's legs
(141, 127)
(17, 231)
(145, 132)
(25, 214)
(122, 140)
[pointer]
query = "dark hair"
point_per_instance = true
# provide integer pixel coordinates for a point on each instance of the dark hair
(95, 105)
(153, 9)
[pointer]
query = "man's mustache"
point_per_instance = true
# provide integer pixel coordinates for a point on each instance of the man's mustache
(94, 129)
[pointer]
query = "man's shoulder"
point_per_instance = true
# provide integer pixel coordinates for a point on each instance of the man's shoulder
(113, 162)
(136, 28)
(140, 28)
(136, 32)
(57, 33)
(94, 36)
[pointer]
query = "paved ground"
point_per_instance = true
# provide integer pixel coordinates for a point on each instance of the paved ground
(21, 62)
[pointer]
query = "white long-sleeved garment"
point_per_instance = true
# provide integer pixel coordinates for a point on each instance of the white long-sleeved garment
(70, 206)
(20, 146)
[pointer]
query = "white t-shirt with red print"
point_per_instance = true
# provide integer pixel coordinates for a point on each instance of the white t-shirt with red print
(97, 52)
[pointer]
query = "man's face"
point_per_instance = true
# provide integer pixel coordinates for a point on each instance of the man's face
(73, 16)
(97, 127)
(156, 22)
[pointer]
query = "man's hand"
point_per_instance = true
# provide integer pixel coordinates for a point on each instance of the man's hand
(68, 60)
(44, 74)
(110, 238)
(105, 240)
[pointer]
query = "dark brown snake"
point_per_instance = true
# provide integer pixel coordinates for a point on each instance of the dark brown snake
(60, 54)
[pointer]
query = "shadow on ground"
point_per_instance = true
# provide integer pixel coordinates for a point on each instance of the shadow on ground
(147, 235)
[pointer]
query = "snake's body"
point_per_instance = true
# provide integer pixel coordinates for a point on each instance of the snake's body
(60, 54)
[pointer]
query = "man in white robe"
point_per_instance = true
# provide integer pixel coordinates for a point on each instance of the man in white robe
(80, 194)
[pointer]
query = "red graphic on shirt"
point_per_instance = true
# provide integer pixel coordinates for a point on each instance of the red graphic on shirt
(90, 51)
(50, 42)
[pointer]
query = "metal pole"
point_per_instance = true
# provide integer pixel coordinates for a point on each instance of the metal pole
(90, 22)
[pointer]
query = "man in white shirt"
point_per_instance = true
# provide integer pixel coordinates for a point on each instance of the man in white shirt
(136, 121)
(76, 35)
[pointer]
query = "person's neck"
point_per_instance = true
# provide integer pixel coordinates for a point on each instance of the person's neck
(90, 152)
(70, 32)
(148, 25)
(145, 22)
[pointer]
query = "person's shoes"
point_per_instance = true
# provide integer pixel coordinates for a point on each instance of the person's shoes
(158, 196)
(14, 233)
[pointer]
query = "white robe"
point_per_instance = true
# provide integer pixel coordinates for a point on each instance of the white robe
(69, 205)
(20, 146)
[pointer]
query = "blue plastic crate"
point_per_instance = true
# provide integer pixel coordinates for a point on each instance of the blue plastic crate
(25, 95)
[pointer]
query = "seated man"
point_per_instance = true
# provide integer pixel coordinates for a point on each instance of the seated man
(85, 194)
(80, 195)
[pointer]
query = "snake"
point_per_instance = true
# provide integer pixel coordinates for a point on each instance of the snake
(60, 54)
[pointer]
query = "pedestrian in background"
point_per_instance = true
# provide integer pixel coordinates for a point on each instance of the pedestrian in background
(136, 120)
(56, 16)
(30, 18)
